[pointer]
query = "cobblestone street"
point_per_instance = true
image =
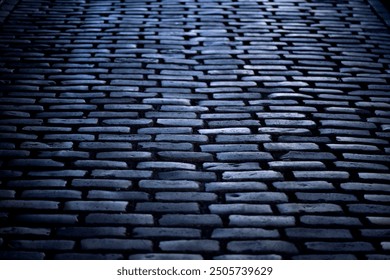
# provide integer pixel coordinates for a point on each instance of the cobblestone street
(194, 129)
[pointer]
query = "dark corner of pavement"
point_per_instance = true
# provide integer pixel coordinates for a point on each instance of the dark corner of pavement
(6, 6)
(382, 8)
(386, 3)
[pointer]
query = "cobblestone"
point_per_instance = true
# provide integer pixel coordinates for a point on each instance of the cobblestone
(190, 246)
(165, 257)
(82, 256)
(58, 245)
(116, 244)
(340, 246)
(190, 220)
(243, 130)
(244, 233)
(48, 219)
(264, 246)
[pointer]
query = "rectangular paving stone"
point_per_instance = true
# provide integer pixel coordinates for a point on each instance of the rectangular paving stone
(7, 194)
(252, 175)
(51, 194)
(185, 196)
(167, 207)
(194, 138)
(319, 220)
(228, 147)
(186, 156)
(297, 165)
(235, 186)
(116, 244)
(243, 138)
(29, 204)
(182, 109)
(11, 231)
(165, 146)
(165, 130)
(21, 255)
(244, 156)
(264, 246)
(35, 162)
(170, 115)
(360, 166)
(235, 116)
(86, 256)
(44, 183)
(101, 183)
(100, 164)
(131, 174)
(124, 137)
(49, 219)
(368, 208)
(352, 147)
(231, 166)
(284, 131)
(60, 173)
(321, 175)
(289, 208)
(346, 132)
(244, 233)
(298, 155)
(190, 246)
(262, 221)
(385, 245)
(75, 232)
(163, 232)
(166, 256)
(58, 245)
(105, 146)
(231, 130)
(239, 208)
(233, 123)
(303, 185)
(374, 176)
(375, 233)
(357, 186)
(340, 246)
(190, 220)
(318, 233)
(169, 185)
(64, 154)
(10, 174)
(118, 195)
(190, 175)
(153, 165)
(123, 155)
(14, 154)
(290, 146)
(325, 257)
(47, 146)
(93, 206)
(256, 197)
(248, 257)
(325, 197)
(119, 219)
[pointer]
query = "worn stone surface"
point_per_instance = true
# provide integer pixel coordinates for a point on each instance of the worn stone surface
(156, 129)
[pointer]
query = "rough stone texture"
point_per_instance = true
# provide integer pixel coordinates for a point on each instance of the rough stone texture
(170, 129)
